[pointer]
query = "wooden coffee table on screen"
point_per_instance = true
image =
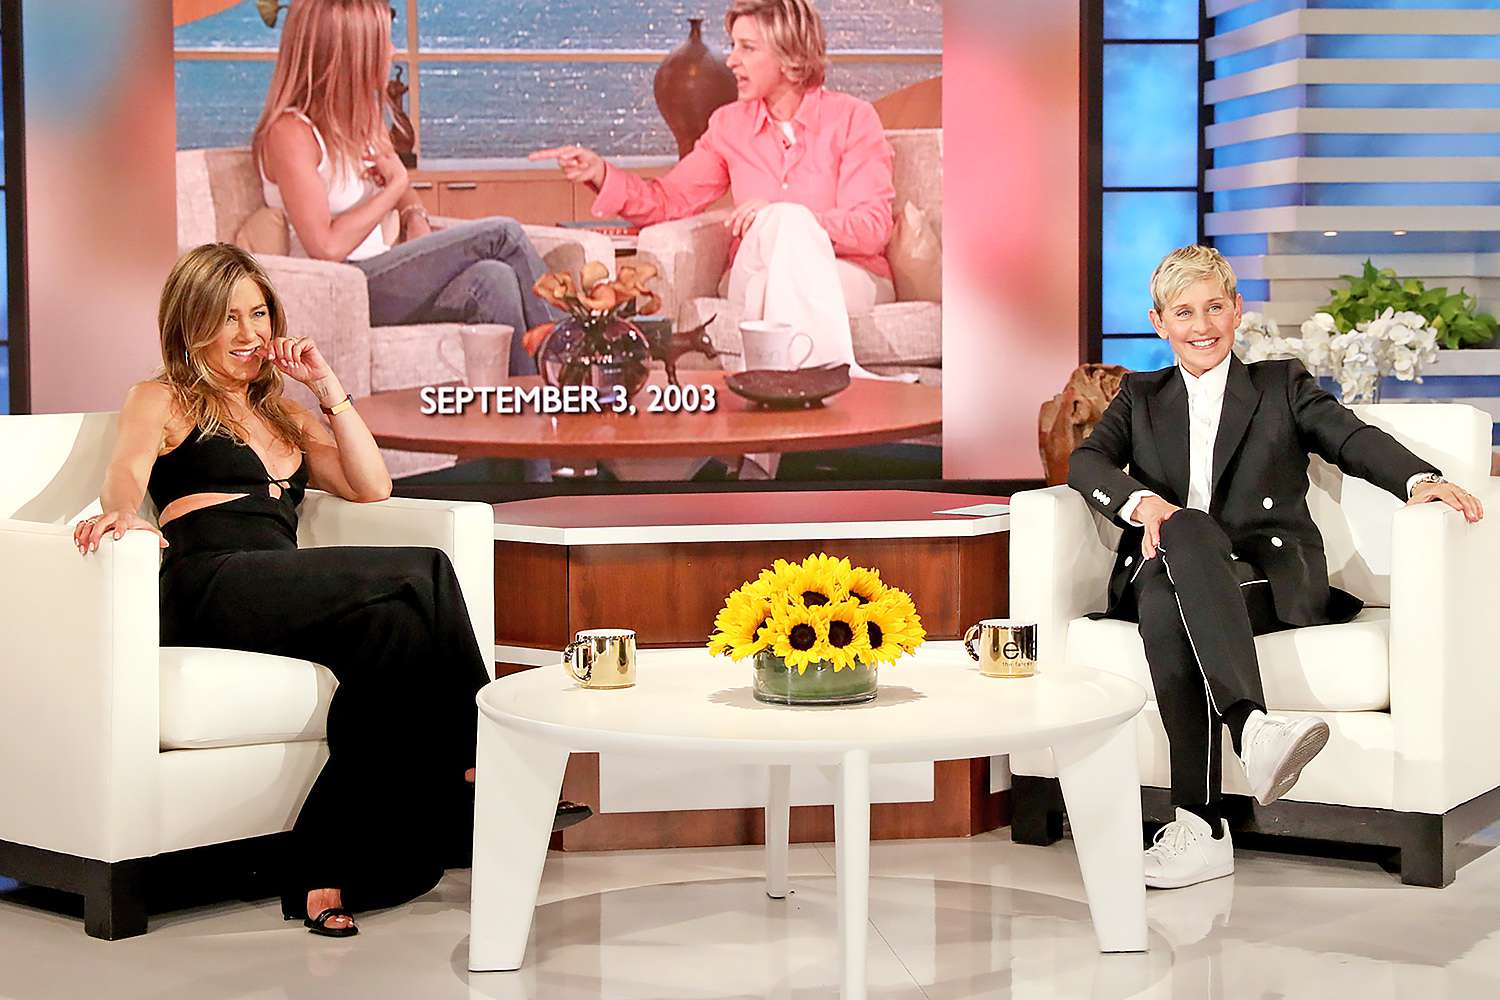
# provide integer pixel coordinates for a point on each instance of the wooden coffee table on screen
(868, 412)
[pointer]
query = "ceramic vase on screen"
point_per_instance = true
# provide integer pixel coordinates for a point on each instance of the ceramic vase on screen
(691, 84)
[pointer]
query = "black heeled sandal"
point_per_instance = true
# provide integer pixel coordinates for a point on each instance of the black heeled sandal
(569, 814)
(319, 924)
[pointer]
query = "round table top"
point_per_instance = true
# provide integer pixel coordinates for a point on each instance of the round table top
(868, 412)
(934, 706)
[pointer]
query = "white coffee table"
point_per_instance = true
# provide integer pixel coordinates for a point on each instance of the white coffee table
(685, 703)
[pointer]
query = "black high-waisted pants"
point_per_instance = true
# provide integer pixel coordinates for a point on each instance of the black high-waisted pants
(1199, 610)
(390, 809)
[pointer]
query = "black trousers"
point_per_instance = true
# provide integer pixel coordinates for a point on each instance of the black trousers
(390, 809)
(1199, 611)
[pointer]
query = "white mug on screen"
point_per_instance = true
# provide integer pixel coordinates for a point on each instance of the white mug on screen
(772, 346)
(486, 353)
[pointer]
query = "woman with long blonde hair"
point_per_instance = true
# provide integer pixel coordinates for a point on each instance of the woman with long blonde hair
(225, 459)
(326, 160)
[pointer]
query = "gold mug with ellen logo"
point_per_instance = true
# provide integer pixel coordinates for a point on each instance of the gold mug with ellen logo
(1006, 648)
(602, 658)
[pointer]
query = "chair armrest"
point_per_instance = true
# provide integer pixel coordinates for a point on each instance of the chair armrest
(80, 728)
(330, 302)
(1445, 687)
(691, 256)
(1061, 554)
(569, 249)
(464, 530)
(412, 355)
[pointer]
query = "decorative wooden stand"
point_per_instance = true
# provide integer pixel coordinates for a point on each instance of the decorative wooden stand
(662, 566)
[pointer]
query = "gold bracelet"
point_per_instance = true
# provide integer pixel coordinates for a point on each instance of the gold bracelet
(338, 407)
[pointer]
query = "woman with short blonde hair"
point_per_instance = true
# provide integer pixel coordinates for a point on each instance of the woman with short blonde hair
(794, 32)
(810, 172)
(1185, 267)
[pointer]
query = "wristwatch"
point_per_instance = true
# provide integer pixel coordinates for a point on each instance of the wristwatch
(1430, 477)
(338, 407)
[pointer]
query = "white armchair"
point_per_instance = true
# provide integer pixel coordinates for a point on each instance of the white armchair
(1409, 688)
(218, 189)
(114, 750)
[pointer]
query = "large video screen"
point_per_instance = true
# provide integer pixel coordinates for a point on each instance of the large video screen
(759, 298)
(927, 307)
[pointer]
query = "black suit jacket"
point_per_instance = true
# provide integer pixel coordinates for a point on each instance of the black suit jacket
(1274, 416)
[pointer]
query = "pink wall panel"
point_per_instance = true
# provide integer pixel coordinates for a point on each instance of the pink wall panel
(100, 205)
(1011, 227)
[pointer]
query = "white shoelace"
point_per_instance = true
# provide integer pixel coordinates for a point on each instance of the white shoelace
(1267, 728)
(1171, 840)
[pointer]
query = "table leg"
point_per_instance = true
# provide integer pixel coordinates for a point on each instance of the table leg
(1101, 787)
(515, 800)
(851, 835)
(778, 829)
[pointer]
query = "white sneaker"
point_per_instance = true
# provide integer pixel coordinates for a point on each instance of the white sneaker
(1185, 852)
(1275, 749)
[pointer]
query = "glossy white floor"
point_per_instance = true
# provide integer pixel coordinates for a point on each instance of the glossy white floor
(950, 919)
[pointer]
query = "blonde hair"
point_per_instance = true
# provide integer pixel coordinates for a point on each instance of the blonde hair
(333, 64)
(1185, 267)
(794, 31)
(194, 302)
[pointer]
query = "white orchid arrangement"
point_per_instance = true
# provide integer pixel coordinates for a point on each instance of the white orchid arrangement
(1399, 344)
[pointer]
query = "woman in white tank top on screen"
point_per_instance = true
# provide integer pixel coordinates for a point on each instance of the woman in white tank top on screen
(326, 160)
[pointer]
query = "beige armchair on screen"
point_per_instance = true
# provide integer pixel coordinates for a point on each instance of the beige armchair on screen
(1409, 687)
(219, 189)
(115, 751)
(901, 336)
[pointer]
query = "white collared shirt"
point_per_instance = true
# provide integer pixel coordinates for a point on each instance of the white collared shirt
(1205, 405)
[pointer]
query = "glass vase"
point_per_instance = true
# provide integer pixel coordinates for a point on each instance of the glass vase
(609, 354)
(819, 684)
(1371, 395)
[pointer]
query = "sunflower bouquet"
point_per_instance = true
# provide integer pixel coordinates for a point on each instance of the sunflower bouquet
(821, 614)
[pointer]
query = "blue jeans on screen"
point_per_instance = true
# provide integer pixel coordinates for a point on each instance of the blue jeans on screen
(476, 272)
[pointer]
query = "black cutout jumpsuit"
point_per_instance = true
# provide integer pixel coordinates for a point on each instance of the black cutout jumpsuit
(390, 809)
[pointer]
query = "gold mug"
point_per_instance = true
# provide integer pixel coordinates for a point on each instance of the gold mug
(602, 658)
(1006, 648)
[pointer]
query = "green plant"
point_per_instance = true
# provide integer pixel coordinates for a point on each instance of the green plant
(1455, 317)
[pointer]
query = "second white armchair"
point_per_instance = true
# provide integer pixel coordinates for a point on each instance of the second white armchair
(1410, 688)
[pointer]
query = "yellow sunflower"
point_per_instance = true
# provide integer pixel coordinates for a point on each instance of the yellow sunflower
(779, 576)
(819, 581)
(738, 627)
(865, 585)
(837, 568)
(798, 634)
(892, 627)
(897, 603)
(848, 639)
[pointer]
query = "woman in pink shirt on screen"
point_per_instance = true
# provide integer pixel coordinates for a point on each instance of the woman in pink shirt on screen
(810, 172)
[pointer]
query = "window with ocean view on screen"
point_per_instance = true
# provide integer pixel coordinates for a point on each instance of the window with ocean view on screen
(497, 80)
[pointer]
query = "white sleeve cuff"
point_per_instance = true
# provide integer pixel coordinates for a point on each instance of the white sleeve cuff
(1127, 509)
